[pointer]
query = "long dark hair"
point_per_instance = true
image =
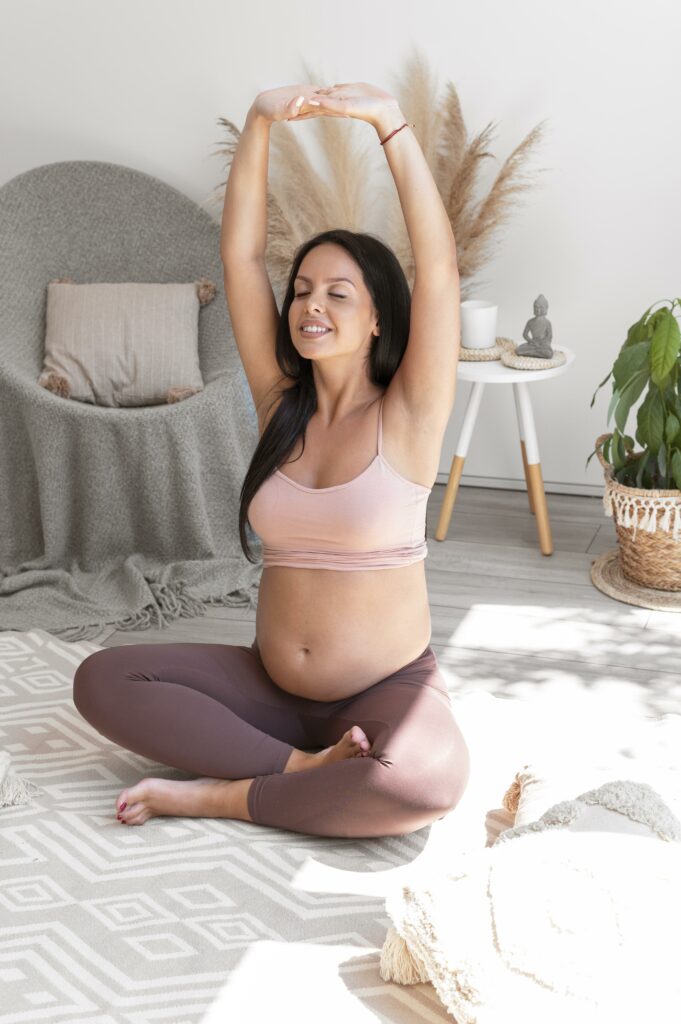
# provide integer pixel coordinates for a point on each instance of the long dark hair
(389, 290)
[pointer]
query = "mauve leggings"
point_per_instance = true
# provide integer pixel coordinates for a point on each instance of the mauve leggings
(213, 710)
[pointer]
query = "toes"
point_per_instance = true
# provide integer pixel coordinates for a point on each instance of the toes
(131, 811)
(358, 737)
(358, 741)
(133, 795)
(138, 819)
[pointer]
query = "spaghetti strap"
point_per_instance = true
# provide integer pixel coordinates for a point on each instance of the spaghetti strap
(380, 425)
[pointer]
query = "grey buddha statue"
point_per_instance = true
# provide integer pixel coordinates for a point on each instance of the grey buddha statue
(537, 333)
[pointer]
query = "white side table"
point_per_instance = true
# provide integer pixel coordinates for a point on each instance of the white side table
(494, 372)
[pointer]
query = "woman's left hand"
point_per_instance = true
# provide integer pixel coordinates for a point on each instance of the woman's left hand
(354, 99)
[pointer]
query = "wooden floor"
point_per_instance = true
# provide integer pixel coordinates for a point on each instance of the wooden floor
(509, 620)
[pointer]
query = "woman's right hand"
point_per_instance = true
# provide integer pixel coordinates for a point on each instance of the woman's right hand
(280, 104)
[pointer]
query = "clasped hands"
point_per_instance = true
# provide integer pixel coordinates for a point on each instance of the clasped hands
(361, 100)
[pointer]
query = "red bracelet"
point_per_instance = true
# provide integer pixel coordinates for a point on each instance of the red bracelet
(405, 125)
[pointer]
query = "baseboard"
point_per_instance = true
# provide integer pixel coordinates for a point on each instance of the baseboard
(510, 484)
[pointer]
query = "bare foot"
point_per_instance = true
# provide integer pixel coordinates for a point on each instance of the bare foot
(215, 798)
(353, 743)
(195, 798)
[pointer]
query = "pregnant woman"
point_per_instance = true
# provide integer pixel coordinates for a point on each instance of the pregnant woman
(336, 721)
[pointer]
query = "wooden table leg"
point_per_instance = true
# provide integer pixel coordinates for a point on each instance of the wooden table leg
(532, 466)
(523, 451)
(456, 469)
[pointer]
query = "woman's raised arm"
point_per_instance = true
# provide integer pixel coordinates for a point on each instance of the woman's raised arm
(428, 226)
(425, 380)
(430, 232)
(248, 291)
(244, 215)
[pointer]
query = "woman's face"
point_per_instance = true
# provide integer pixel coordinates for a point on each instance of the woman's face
(330, 289)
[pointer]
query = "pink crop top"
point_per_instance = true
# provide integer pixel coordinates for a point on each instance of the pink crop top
(376, 521)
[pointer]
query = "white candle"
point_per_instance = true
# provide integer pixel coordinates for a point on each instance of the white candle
(478, 323)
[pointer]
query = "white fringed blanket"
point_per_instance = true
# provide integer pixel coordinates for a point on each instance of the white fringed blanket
(553, 923)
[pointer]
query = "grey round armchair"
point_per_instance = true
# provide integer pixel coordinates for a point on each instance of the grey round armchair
(120, 516)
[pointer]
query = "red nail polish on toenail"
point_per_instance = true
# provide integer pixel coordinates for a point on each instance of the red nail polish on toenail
(122, 807)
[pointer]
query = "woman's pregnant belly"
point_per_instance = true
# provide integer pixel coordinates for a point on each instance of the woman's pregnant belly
(326, 634)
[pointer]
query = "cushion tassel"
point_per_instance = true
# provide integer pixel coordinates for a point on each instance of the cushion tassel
(511, 798)
(397, 963)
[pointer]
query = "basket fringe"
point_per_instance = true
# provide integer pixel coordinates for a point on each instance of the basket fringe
(625, 510)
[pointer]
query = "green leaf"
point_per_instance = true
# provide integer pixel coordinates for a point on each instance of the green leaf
(641, 466)
(650, 420)
(664, 347)
(630, 393)
(638, 331)
(669, 392)
(662, 459)
(671, 428)
(650, 477)
(614, 401)
(606, 449)
(631, 467)
(593, 398)
(676, 467)
(629, 362)
(612, 451)
(618, 451)
(625, 475)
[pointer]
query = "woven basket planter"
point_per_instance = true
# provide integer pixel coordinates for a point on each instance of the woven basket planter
(648, 525)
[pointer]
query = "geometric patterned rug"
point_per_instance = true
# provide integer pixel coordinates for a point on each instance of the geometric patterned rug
(180, 920)
(204, 920)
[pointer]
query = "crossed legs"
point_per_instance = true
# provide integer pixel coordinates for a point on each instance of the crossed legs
(221, 798)
(394, 757)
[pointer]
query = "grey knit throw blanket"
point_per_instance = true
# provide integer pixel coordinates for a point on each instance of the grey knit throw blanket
(121, 517)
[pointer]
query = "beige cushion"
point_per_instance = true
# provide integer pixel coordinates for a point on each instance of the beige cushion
(123, 344)
(619, 805)
(652, 755)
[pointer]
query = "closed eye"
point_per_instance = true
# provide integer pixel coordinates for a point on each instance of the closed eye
(335, 295)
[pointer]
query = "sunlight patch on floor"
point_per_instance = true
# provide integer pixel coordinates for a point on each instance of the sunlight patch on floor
(297, 982)
(553, 632)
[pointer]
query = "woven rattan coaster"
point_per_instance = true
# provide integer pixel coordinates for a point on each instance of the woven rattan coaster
(479, 355)
(607, 576)
(510, 358)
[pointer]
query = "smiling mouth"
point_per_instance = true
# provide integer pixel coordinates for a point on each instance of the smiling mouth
(314, 334)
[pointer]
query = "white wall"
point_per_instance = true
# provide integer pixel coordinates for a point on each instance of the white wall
(143, 83)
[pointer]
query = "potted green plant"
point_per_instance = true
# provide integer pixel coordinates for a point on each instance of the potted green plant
(643, 487)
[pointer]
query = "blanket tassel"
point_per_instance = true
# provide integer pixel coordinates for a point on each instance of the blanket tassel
(171, 602)
(14, 790)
